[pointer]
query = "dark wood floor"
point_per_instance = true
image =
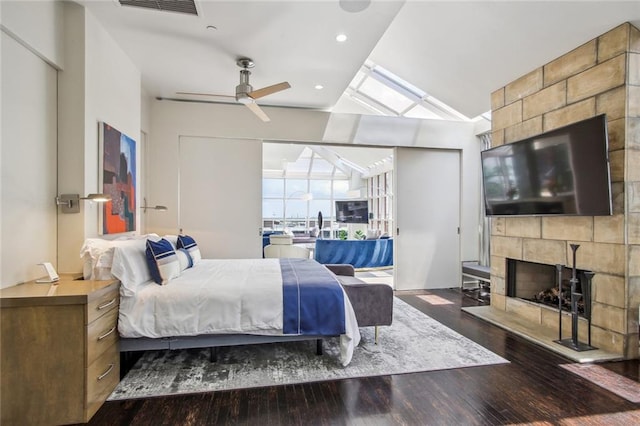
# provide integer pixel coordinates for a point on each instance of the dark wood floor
(530, 389)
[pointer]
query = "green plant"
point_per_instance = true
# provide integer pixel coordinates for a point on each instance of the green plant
(342, 234)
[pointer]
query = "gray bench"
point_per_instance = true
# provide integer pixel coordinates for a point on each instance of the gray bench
(480, 274)
(372, 302)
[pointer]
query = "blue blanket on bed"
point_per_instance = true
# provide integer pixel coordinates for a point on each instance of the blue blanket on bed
(313, 300)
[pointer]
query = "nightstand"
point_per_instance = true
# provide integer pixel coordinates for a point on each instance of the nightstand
(59, 357)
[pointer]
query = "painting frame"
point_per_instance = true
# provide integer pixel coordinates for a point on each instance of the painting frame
(117, 171)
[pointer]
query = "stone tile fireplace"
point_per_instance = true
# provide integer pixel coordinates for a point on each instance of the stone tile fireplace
(600, 77)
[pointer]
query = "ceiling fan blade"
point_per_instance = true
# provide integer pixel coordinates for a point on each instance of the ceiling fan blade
(269, 90)
(257, 111)
(205, 94)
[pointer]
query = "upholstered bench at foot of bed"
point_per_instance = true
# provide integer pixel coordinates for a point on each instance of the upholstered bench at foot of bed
(372, 302)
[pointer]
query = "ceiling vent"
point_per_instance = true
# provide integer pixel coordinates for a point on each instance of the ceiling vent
(180, 6)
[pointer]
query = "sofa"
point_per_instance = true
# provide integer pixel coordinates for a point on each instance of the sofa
(358, 253)
(372, 302)
(297, 238)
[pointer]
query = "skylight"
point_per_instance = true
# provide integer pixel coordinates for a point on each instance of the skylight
(385, 93)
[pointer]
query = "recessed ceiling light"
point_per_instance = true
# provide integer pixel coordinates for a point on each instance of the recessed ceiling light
(341, 38)
(319, 86)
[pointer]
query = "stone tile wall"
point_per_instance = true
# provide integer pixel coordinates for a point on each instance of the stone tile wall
(600, 77)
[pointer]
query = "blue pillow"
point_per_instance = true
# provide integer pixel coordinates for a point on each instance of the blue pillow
(188, 243)
(162, 261)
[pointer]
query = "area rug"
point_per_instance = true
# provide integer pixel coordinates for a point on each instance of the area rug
(414, 343)
(607, 379)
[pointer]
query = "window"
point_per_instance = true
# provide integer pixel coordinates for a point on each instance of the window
(299, 181)
(296, 210)
(385, 93)
(379, 191)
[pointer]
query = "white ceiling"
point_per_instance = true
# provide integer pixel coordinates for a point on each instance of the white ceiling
(456, 51)
(275, 154)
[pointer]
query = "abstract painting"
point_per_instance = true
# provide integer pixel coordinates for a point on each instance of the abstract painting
(118, 179)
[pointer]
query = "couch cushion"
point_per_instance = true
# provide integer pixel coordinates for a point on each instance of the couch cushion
(372, 302)
(347, 280)
(281, 239)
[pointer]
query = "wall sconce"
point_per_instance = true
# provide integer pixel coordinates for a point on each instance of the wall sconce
(145, 207)
(71, 202)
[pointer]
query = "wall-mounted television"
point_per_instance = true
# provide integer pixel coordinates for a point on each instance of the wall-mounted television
(561, 172)
(352, 211)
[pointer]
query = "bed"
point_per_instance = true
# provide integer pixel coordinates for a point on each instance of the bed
(226, 302)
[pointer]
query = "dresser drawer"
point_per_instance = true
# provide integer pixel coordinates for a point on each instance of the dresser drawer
(101, 334)
(103, 304)
(103, 376)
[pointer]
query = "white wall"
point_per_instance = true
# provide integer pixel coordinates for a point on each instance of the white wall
(38, 27)
(99, 83)
(96, 82)
(170, 120)
(113, 95)
(411, 132)
(30, 41)
(28, 182)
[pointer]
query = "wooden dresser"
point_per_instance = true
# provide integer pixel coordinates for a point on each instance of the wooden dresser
(59, 357)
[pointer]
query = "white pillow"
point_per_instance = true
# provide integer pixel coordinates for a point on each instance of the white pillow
(373, 234)
(184, 259)
(173, 239)
(130, 266)
(97, 254)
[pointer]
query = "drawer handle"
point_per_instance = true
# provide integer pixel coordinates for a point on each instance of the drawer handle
(106, 305)
(107, 333)
(106, 373)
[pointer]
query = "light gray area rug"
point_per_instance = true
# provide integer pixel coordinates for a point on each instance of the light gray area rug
(414, 343)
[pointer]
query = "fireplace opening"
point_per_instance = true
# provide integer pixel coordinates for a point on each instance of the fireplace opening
(537, 283)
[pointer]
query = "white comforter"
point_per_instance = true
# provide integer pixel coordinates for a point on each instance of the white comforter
(218, 296)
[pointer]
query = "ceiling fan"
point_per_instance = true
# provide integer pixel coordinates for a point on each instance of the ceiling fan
(244, 91)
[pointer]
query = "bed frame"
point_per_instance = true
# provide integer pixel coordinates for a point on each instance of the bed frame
(128, 346)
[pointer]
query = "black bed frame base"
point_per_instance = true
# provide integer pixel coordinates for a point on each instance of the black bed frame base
(131, 348)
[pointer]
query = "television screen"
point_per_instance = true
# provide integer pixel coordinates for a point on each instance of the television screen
(352, 211)
(560, 172)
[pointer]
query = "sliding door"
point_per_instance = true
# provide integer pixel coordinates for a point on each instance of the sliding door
(221, 195)
(427, 206)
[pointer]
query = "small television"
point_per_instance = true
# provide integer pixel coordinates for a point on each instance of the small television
(352, 211)
(561, 172)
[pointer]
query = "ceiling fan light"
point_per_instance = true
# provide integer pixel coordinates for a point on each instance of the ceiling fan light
(244, 99)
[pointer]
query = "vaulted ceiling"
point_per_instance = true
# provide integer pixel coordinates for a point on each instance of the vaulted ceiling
(457, 51)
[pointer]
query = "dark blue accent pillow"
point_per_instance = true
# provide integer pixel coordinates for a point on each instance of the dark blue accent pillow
(162, 261)
(188, 243)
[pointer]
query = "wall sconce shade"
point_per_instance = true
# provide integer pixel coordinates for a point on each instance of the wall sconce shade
(145, 207)
(71, 202)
